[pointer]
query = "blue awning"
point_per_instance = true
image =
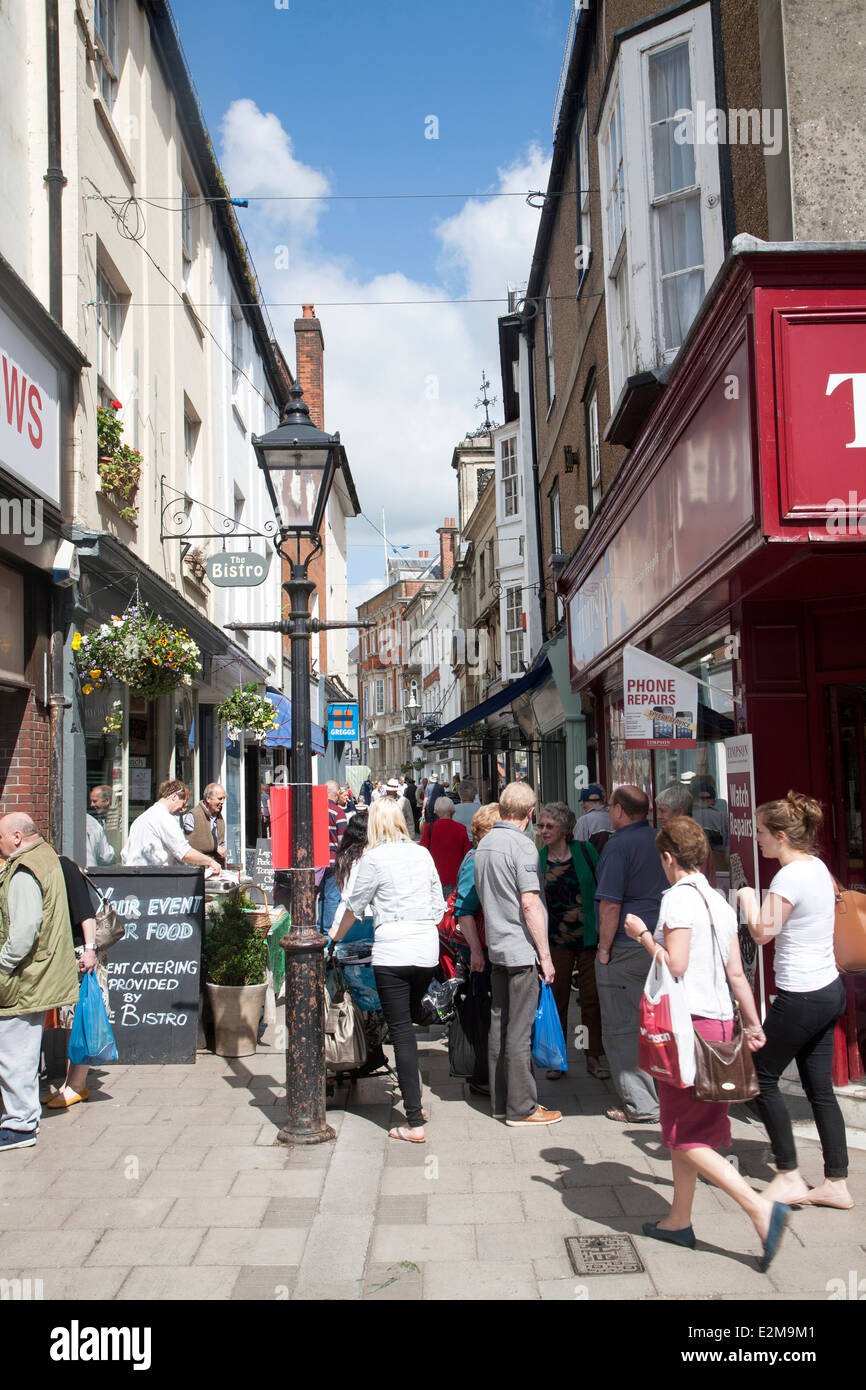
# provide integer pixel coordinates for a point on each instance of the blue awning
(503, 697)
(281, 737)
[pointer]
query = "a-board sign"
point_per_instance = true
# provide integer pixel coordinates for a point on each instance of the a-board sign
(154, 973)
(260, 867)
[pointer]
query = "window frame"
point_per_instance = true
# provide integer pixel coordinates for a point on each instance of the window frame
(510, 479)
(107, 61)
(595, 489)
(582, 191)
(114, 302)
(187, 242)
(379, 690)
(516, 648)
(550, 372)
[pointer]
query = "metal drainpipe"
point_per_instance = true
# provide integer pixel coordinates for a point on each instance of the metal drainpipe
(54, 174)
(530, 342)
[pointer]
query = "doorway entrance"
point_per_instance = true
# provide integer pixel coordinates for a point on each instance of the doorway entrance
(847, 724)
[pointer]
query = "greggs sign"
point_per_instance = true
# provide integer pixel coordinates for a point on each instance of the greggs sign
(29, 413)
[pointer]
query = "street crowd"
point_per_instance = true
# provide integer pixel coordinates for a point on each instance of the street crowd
(606, 897)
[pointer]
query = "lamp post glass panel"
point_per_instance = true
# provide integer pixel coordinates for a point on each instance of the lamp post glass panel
(299, 462)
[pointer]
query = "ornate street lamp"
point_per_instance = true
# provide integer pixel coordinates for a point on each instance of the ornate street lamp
(299, 463)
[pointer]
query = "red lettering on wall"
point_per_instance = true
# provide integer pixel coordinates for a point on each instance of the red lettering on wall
(14, 397)
(34, 429)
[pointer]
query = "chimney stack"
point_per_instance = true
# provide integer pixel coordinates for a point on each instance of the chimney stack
(310, 348)
(447, 545)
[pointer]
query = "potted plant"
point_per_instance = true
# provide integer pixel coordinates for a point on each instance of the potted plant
(118, 465)
(140, 650)
(247, 709)
(196, 563)
(235, 962)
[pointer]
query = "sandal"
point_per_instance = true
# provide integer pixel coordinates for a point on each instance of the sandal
(403, 1132)
(597, 1068)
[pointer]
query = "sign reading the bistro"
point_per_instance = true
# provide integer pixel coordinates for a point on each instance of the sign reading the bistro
(660, 703)
(232, 569)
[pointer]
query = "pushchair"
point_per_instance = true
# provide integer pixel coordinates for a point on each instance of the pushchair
(349, 962)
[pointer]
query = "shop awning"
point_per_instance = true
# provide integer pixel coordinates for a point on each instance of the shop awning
(503, 697)
(281, 737)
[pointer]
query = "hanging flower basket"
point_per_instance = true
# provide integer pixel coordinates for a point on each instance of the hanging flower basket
(247, 709)
(140, 650)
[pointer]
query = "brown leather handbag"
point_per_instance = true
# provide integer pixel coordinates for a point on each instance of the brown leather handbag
(724, 1071)
(849, 932)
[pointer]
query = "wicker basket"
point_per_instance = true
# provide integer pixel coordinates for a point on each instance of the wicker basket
(260, 918)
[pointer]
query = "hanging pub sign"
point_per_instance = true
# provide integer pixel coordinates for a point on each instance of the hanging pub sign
(343, 722)
(232, 569)
(660, 703)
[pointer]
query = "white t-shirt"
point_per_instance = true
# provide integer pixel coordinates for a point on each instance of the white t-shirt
(155, 837)
(706, 983)
(400, 883)
(804, 957)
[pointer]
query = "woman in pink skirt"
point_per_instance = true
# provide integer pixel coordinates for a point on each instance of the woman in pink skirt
(697, 936)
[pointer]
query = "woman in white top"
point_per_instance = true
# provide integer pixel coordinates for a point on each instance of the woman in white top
(799, 913)
(698, 931)
(399, 880)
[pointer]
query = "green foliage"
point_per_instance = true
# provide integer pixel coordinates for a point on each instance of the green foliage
(119, 466)
(233, 952)
(247, 709)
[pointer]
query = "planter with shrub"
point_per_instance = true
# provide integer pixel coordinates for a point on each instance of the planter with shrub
(235, 962)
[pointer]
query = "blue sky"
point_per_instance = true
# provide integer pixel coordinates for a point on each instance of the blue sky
(334, 96)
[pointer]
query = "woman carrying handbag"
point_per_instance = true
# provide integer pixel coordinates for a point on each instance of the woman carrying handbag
(697, 936)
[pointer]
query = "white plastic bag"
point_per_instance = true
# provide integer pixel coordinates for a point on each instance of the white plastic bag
(666, 1049)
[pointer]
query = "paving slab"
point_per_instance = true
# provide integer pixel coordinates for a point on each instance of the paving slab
(425, 1179)
(158, 1282)
(72, 1284)
(45, 1251)
(288, 1182)
(286, 1211)
(265, 1283)
(792, 1271)
(528, 1240)
(474, 1209)
(607, 1288)
(393, 1283)
(336, 1250)
(246, 1212)
(244, 1247)
(480, 1280)
(131, 1246)
(422, 1243)
(404, 1210)
(173, 1182)
(22, 1216)
(109, 1212)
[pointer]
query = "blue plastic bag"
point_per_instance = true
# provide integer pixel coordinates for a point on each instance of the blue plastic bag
(91, 1042)
(548, 1041)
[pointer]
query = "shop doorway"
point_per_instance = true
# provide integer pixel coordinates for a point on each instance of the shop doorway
(847, 726)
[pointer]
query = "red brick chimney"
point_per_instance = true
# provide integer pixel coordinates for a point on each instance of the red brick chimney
(447, 545)
(310, 346)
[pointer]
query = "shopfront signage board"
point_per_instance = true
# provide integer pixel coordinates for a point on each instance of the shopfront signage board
(660, 703)
(343, 722)
(236, 569)
(154, 973)
(744, 863)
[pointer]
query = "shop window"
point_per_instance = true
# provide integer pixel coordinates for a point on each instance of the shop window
(11, 626)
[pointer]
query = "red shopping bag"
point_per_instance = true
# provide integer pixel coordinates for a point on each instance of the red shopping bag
(666, 1047)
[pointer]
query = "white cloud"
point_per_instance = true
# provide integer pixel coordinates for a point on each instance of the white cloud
(400, 382)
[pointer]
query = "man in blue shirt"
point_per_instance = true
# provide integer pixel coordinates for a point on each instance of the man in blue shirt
(630, 879)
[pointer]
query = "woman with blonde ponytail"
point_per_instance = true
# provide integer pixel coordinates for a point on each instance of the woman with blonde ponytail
(799, 913)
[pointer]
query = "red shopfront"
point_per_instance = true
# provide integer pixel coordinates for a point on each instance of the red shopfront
(733, 544)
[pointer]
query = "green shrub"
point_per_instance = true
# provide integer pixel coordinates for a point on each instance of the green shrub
(233, 952)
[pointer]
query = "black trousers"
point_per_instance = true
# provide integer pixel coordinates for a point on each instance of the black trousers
(401, 989)
(800, 1027)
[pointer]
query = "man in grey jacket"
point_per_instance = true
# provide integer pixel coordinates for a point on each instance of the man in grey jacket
(508, 882)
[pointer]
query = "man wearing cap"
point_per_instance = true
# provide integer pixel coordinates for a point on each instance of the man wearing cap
(595, 820)
(394, 792)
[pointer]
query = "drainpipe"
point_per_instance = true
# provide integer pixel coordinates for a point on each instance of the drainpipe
(54, 177)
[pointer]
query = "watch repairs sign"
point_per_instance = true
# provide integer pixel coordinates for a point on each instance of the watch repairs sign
(235, 569)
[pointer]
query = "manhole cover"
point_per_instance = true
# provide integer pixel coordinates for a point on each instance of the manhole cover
(603, 1255)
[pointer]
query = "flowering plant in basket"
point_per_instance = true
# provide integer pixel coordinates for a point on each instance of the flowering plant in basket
(140, 650)
(247, 709)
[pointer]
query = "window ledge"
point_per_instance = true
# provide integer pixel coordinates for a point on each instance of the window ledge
(194, 315)
(113, 134)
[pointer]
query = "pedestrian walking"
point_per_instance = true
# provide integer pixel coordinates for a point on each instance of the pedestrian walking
(696, 936)
(508, 880)
(398, 879)
(799, 914)
(568, 873)
(394, 792)
(33, 912)
(467, 913)
(469, 802)
(630, 880)
(447, 842)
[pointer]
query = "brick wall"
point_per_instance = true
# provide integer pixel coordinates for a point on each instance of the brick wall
(25, 750)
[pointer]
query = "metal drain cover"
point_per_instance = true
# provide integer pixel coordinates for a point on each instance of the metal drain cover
(603, 1255)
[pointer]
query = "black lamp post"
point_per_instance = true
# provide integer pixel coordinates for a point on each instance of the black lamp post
(299, 463)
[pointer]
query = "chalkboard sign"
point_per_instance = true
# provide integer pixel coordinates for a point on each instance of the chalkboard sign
(154, 972)
(260, 867)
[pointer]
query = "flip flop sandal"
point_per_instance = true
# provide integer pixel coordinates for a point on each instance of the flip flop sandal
(402, 1132)
(597, 1069)
(809, 1201)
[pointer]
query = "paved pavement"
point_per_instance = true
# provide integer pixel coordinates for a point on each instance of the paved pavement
(167, 1184)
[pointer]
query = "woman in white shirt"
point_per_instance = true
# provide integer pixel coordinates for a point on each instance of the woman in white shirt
(698, 931)
(399, 880)
(799, 912)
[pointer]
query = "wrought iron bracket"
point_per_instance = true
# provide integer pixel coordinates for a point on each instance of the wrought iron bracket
(178, 513)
